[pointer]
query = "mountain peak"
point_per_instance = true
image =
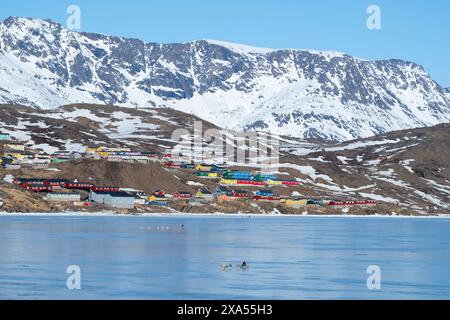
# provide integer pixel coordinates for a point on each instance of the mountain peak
(32, 22)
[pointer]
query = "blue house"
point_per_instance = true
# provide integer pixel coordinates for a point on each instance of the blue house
(221, 191)
(238, 175)
(265, 193)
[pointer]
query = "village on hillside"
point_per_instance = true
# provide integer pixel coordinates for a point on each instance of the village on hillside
(225, 184)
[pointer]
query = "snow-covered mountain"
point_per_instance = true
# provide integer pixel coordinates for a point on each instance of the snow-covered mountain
(302, 93)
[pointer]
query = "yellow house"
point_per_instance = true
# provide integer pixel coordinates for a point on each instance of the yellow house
(274, 183)
(19, 156)
(15, 155)
(153, 198)
(100, 154)
(296, 203)
(228, 182)
(212, 175)
(202, 168)
(14, 146)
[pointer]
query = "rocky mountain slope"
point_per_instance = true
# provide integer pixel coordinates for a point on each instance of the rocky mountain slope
(408, 171)
(409, 168)
(302, 93)
(75, 127)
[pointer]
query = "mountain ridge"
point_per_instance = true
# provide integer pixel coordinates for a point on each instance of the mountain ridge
(303, 93)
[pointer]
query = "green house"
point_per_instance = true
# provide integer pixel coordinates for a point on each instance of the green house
(58, 160)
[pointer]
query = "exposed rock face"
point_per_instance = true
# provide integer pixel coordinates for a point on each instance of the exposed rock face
(307, 94)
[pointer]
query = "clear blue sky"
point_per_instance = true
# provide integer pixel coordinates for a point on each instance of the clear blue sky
(415, 30)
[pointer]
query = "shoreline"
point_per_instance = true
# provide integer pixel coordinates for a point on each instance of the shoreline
(108, 214)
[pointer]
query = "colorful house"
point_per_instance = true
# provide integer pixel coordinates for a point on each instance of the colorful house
(182, 195)
(207, 174)
(238, 194)
(158, 203)
(78, 185)
(271, 182)
(221, 191)
(266, 195)
(119, 149)
(155, 198)
(203, 167)
(267, 199)
(316, 202)
(228, 182)
(56, 182)
(105, 189)
(352, 203)
(25, 181)
(296, 203)
(170, 164)
(237, 175)
(250, 183)
(6, 161)
(264, 177)
(14, 146)
(204, 193)
(5, 136)
(290, 183)
(159, 193)
(190, 166)
(37, 187)
(225, 198)
(16, 155)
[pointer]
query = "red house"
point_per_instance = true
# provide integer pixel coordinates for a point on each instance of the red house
(78, 185)
(105, 189)
(352, 203)
(182, 195)
(267, 198)
(55, 182)
(238, 194)
(38, 188)
(159, 193)
(170, 164)
(251, 183)
(290, 183)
